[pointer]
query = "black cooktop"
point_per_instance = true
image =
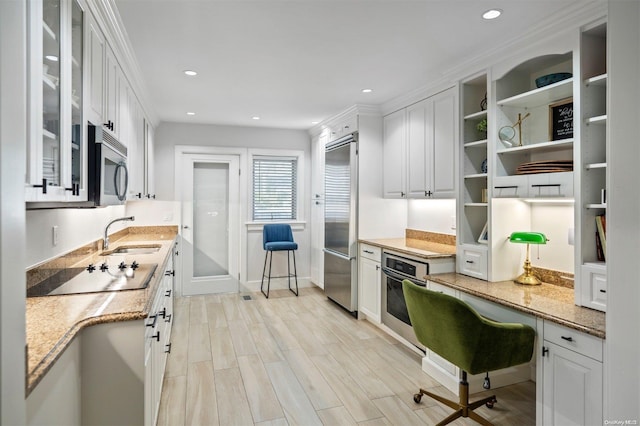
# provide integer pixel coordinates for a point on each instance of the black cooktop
(95, 278)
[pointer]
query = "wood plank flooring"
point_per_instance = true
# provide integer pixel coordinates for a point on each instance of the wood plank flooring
(302, 360)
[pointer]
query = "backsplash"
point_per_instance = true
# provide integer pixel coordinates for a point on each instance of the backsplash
(434, 237)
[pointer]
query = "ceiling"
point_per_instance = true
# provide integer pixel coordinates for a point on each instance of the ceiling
(295, 62)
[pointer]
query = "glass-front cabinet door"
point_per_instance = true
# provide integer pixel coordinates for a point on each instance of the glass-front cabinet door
(56, 163)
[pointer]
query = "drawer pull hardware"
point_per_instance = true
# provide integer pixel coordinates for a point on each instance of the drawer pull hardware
(75, 189)
(568, 339)
(163, 313)
(368, 251)
(603, 291)
(470, 261)
(402, 194)
(168, 293)
(170, 273)
(156, 336)
(167, 349)
(545, 351)
(153, 323)
(377, 267)
(545, 185)
(168, 319)
(506, 187)
(43, 186)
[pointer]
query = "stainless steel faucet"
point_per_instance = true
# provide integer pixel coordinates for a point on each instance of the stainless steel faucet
(105, 244)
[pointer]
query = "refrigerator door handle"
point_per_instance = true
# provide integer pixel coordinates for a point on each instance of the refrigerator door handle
(340, 255)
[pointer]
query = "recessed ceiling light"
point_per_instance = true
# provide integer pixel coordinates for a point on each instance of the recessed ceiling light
(255, 117)
(191, 113)
(52, 58)
(367, 90)
(492, 14)
(190, 73)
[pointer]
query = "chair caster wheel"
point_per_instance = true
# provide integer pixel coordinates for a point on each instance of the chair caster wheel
(489, 404)
(417, 398)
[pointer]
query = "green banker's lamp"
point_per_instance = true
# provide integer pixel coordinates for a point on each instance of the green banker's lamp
(527, 278)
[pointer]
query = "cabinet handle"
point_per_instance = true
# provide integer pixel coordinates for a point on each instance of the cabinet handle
(368, 251)
(151, 196)
(168, 293)
(603, 291)
(377, 267)
(153, 324)
(170, 273)
(43, 186)
(168, 319)
(428, 193)
(545, 185)
(75, 189)
(163, 313)
(545, 351)
(402, 194)
(138, 195)
(156, 336)
(167, 348)
(506, 187)
(318, 203)
(469, 261)
(568, 339)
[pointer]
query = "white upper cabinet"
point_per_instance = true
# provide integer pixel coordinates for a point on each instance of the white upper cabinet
(112, 80)
(56, 169)
(95, 73)
(394, 169)
(420, 149)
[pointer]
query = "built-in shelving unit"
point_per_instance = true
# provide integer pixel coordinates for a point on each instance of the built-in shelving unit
(591, 270)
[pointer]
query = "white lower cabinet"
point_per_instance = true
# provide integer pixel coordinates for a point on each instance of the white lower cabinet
(472, 261)
(370, 279)
(594, 286)
(572, 377)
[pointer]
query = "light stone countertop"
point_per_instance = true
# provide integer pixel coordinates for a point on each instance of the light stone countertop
(52, 322)
(547, 301)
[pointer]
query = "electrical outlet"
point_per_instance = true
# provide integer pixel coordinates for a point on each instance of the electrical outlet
(571, 236)
(54, 235)
(168, 217)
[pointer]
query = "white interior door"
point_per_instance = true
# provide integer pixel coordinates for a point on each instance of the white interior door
(210, 223)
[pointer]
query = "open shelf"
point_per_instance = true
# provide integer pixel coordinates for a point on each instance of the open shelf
(549, 146)
(476, 176)
(49, 135)
(480, 143)
(595, 166)
(596, 206)
(476, 204)
(601, 119)
(544, 95)
(598, 80)
(476, 115)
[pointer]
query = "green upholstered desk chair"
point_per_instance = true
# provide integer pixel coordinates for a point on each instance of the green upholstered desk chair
(455, 331)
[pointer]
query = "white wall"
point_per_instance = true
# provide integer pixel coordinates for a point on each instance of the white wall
(168, 135)
(437, 216)
(554, 222)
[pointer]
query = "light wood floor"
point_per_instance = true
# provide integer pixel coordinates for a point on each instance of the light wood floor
(301, 361)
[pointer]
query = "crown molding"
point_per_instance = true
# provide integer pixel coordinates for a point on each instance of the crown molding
(357, 109)
(105, 12)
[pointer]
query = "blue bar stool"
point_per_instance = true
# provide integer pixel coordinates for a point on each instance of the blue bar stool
(278, 237)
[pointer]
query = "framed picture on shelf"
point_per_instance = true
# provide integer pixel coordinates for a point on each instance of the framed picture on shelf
(561, 120)
(484, 235)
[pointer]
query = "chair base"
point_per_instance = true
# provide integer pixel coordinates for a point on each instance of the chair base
(463, 407)
(269, 255)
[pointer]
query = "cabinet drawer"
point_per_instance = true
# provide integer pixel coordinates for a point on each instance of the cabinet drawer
(594, 286)
(473, 262)
(510, 186)
(442, 289)
(551, 185)
(574, 340)
(371, 252)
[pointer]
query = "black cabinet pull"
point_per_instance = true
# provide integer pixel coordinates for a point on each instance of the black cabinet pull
(163, 313)
(603, 291)
(138, 195)
(156, 336)
(368, 251)
(568, 339)
(43, 186)
(75, 189)
(153, 323)
(545, 185)
(545, 351)
(151, 196)
(469, 261)
(377, 267)
(170, 273)
(506, 187)
(168, 293)
(167, 348)
(168, 318)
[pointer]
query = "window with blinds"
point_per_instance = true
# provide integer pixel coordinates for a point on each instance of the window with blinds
(274, 188)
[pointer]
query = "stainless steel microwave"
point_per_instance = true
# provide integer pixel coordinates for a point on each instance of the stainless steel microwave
(108, 176)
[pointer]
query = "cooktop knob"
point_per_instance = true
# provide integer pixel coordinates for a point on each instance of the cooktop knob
(134, 265)
(91, 268)
(104, 267)
(122, 266)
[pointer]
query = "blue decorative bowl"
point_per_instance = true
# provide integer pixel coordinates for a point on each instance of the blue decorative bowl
(548, 79)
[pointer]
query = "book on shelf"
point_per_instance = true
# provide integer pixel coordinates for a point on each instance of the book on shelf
(601, 236)
(599, 253)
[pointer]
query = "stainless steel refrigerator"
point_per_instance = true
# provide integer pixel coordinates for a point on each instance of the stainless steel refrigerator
(340, 222)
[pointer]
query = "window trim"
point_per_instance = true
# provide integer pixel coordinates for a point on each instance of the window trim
(298, 155)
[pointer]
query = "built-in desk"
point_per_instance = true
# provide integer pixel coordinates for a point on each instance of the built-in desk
(549, 302)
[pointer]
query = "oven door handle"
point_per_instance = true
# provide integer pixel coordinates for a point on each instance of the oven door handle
(391, 273)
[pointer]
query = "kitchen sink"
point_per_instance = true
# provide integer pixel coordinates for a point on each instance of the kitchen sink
(134, 249)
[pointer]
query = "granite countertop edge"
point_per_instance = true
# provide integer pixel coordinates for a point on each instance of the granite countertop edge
(431, 250)
(141, 301)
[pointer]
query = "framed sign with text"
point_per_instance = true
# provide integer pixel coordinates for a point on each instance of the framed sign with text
(561, 120)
